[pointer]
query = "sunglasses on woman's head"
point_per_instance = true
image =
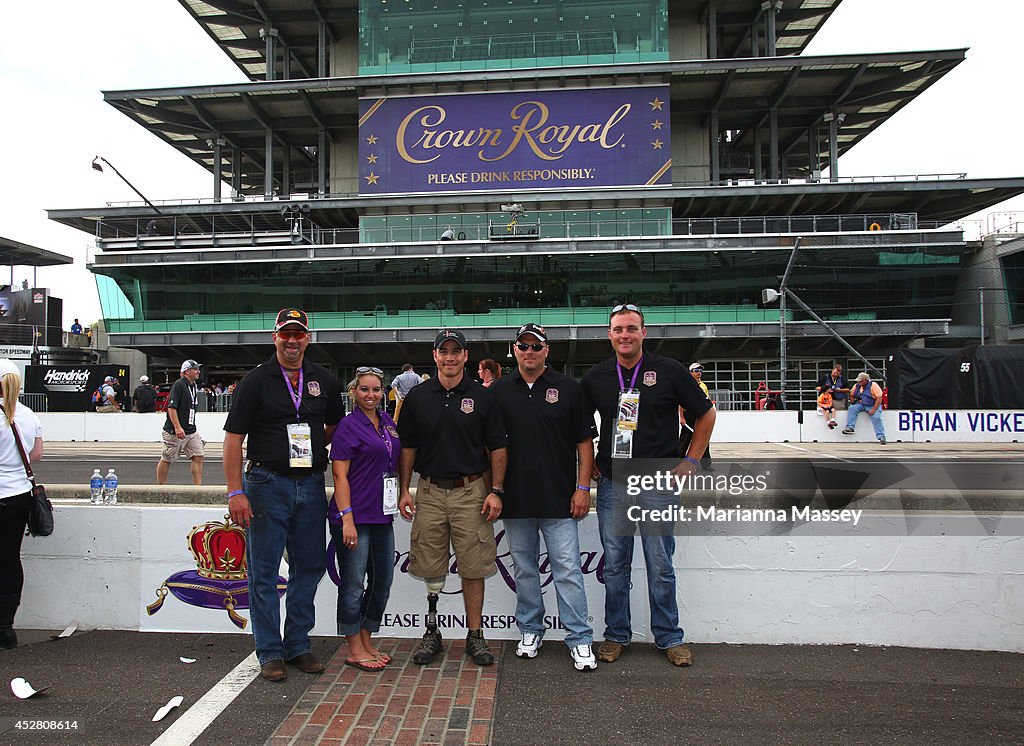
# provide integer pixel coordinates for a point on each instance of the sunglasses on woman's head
(363, 370)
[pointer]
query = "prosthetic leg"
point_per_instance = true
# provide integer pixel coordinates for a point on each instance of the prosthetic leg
(430, 645)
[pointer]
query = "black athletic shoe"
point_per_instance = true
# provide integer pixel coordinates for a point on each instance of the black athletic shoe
(476, 648)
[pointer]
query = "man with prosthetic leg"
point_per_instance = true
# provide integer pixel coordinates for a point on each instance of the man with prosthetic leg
(453, 436)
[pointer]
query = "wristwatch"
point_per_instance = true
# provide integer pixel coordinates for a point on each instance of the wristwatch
(498, 491)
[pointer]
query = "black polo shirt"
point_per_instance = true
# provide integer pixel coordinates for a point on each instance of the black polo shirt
(183, 397)
(262, 408)
(451, 430)
(544, 425)
(664, 386)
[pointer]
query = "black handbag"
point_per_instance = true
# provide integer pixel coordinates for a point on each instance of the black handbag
(40, 512)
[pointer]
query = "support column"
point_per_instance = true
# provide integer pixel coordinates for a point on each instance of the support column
(758, 166)
(286, 172)
(713, 30)
(218, 167)
(769, 26)
(236, 172)
(321, 162)
(716, 149)
(268, 164)
(773, 144)
(321, 49)
(270, 50)
(833, 146)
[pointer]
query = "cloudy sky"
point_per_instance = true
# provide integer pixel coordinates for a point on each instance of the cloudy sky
(57, 58)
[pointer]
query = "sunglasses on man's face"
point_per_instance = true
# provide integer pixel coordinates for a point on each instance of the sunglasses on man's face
(363, 370)
(293, 335)
(523, 347)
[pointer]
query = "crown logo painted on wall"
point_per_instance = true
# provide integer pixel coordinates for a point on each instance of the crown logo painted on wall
(219, 550)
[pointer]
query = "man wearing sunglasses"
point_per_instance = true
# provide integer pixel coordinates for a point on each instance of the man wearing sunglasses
(687, 421)
(288, 407)
(638, 395)
(547, 489)
(452, 434)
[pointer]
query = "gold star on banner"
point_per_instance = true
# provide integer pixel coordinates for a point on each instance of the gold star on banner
(371, 140)
(656, 104)
(656, 124)
(371, 158)
(372, 178)
(657, 144)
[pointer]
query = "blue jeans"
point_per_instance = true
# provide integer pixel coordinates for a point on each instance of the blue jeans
(373, 559)
(618, 561)
(562, 540)
(287, 513)
(876, 418)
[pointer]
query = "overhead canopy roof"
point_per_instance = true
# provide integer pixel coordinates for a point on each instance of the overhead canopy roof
(24, 255)
(865, 89)
(235, 26)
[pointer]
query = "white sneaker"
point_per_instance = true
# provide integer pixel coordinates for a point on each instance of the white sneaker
(583, 657)
(529, 645)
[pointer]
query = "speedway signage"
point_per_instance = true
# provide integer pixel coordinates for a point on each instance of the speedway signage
(530, 139)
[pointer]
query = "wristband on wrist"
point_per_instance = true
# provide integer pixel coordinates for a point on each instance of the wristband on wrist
(498, 491)
(584, 488)
(235, 492)
(692, 460)
(346, 511)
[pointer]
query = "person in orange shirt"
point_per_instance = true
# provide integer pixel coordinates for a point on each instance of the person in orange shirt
(826, 408)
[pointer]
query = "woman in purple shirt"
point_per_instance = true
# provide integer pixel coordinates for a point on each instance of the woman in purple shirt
(364, 460)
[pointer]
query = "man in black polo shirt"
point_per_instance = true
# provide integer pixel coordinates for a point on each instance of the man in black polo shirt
(453, 435)
(638, 395)
(288, 407)
(547, 489)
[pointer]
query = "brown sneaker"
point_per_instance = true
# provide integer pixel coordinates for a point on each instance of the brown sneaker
(307, 663)
(428, 648)
(679, 655)
(274, 670)
(476, 648)
(609, 651)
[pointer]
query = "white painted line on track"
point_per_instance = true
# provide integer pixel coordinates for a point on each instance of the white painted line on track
(199, 716)
(814, 453)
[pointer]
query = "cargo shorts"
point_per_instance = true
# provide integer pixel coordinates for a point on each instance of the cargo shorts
(190, 447)
(451, 517)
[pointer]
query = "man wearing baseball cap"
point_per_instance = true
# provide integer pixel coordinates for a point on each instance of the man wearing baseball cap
(144, 396)
(688, 422)
(180, 435)
(108, 396)
(547, 489)
(452, 434)
(288, 408)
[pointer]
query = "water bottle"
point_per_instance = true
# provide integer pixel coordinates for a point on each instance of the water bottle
(96, 488)
(110, 488)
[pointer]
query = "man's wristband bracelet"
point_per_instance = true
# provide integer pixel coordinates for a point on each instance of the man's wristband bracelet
(498, 491)
(584, 488)
(235, 492)
(346, 511)
(692, 460)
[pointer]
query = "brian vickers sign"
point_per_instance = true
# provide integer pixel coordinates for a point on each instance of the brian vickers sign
(531, 139)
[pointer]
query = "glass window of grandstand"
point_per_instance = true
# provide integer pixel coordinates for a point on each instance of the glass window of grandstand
(442, 35)
(1013, 277)
(546, 223)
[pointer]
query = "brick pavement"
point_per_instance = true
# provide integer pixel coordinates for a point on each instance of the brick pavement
(450, 701)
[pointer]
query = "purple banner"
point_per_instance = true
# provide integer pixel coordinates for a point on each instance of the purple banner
(531, 139)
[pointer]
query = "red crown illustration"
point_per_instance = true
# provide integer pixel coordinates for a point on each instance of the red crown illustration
(219, 549)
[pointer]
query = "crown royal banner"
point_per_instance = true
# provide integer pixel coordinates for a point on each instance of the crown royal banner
(530, 139)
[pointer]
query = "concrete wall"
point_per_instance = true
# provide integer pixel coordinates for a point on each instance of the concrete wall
(953, 426)
(103, 566)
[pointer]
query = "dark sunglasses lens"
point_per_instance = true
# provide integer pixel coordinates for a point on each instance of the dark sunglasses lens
(535, 347)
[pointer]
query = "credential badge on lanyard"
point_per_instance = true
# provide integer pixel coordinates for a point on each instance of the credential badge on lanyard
(628, 414)
(300, 445)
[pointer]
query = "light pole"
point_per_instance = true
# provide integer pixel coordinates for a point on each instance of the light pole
(97, 167)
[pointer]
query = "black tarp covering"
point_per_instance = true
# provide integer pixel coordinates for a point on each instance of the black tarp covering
(989, 377)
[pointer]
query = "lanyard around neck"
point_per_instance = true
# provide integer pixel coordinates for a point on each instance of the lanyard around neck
(295, 395)
(632, 381)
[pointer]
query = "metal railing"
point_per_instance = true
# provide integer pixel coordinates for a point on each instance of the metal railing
(35, 402)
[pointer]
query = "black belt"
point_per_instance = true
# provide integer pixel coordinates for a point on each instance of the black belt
(452, 484)
(297, 472)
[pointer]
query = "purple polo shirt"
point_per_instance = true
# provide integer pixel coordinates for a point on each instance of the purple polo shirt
(357, 440)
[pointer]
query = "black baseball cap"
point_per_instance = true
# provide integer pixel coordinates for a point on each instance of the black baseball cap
(445, 334)
(535, 329)
(288, 316)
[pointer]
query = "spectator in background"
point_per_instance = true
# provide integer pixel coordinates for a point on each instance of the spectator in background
(144, 396)
(866, 396)
(180, 436)
(826, 408)
(688, 421)
(402, 385)
(151, 227)
(108, 397)
(488, 372)
(834, 382)
(76, 328)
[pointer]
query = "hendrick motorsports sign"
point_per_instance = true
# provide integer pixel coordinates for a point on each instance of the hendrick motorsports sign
(69, 388)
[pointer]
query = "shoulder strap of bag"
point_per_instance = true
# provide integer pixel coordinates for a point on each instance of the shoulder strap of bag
(21, 449)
